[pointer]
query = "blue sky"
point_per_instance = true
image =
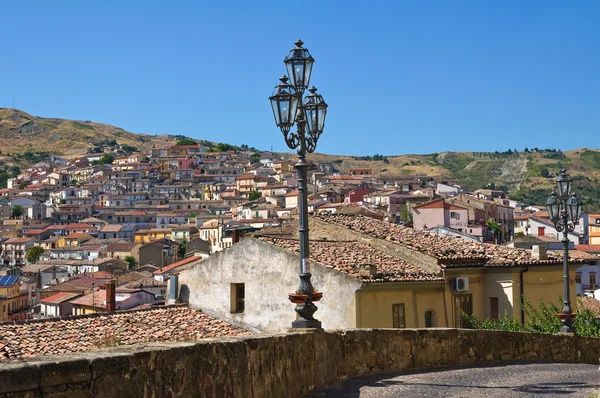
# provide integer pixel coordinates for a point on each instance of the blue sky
(399, 76)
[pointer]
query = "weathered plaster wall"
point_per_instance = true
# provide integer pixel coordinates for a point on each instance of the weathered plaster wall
(288, 365)
(269, 273)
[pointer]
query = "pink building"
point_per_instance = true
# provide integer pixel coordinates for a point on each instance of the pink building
(357, 195)
(186, 163)
(439, 213)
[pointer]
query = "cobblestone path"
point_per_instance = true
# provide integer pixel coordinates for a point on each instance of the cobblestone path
(505, 380)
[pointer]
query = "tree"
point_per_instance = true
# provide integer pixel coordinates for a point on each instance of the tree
(255, 158)
(107, 158)
(544, 172)
(33, 254)
(495, 227)
(17, 211)
(183, 248)
(186, 141)
(131, 261)
(254, 195)
(405, 214)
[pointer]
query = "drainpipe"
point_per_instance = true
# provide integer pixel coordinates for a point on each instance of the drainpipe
(522, 291)
(444, 297)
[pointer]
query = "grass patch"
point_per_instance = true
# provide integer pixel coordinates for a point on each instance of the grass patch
(591, 159)
(83, 126)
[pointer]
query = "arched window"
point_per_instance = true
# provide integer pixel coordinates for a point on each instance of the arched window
(430, 319)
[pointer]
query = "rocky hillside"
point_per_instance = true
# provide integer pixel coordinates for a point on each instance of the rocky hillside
(21, 132)
(527, 175)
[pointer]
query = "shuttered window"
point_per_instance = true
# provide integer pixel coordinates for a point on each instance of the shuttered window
(398, 315)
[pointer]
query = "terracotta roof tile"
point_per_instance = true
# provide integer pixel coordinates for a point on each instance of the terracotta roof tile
(589, 303)
(352, 258)
(51, 337)
(450, 251)
(59, 298)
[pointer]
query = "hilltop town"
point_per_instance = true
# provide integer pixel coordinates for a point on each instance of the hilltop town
(126, 229)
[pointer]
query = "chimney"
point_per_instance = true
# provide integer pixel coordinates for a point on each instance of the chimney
(173, 289)
(110, 296)
(538, 252)
(367, 270)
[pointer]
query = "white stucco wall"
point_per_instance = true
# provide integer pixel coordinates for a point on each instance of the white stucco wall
(269, 274)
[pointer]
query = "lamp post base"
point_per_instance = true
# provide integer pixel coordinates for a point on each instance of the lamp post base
(564, 329)
(306, 324)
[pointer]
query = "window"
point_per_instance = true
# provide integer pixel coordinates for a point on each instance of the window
(578, 277)
(238, 295)
(462, 304)
(541, 231)
(398, 315)
(592, 278)
(455, 215)
(430, 319)
(494, 307)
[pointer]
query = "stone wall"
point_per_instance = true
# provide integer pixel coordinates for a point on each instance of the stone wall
(286, 365)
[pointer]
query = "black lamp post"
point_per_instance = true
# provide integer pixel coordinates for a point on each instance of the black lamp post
(309, 117)
(564, 210)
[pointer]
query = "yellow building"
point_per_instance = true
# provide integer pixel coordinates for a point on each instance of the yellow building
(480, 279)
(149, 235)
(13, 301)
(373, 274)
(594, 229)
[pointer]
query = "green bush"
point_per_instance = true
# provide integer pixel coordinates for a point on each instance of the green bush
(541, 319)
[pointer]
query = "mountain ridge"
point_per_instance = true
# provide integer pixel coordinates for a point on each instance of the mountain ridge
(526, 175)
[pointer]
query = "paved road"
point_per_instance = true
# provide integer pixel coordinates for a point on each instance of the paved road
(507, 380)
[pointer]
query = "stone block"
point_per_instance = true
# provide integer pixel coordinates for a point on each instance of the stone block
(16, 377)
(65, 372)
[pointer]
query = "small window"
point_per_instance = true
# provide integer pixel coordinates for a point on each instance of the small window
(578, 277)
(592, 278)
(398, 315)
(430, 319)
(238, 295)
(494, 307)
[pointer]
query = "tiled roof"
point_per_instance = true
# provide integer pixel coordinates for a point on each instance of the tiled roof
(352, 257)
(51, 337)
(17, 240)
(588, 248)
(185, 261)
(449, 250)
(59, 298)
(589, 303)
(111, 228)
(96, 299)
(145, 282)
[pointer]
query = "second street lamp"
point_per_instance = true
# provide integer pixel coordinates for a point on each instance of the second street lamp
(309, 117)
(564, 211)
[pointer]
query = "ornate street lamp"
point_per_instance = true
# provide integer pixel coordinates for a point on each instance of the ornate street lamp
(309, 117)
(564, 211)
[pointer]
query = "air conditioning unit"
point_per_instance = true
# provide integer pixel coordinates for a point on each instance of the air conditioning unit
(460, 284)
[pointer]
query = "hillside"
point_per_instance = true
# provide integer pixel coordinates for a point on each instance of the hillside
(20, 132)
(527, 175)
